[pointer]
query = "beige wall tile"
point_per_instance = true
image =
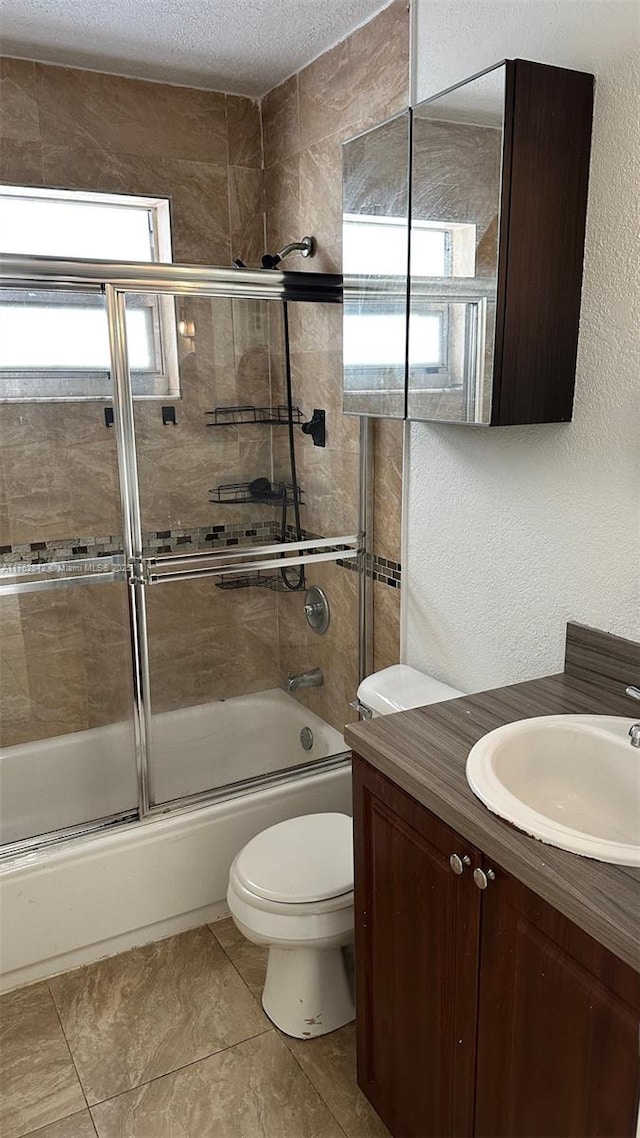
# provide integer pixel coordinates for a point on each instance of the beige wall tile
(281, 122)
(379, 66)
(335, 652)
(321, 201)
(130, 116)
(387, 511)
(19, 118)
(20, 162)
(326, 95)
(386, 626)
(53, 494)
(246, 207)
(244, 129)
(282, 197)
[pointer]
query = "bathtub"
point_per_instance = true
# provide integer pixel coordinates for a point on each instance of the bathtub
(70, 779)
(90, 897)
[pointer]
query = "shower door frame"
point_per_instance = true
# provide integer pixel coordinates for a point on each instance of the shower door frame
(141, 572)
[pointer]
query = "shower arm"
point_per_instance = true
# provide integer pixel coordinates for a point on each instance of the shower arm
(307, 247)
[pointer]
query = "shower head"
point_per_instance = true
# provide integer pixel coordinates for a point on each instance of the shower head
(307, 247)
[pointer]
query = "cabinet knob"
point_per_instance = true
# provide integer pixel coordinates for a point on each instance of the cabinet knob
(458, 863)
(482, 877)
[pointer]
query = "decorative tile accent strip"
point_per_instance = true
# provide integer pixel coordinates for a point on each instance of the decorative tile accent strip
(192, 539)
(196, 538)
(379, 569)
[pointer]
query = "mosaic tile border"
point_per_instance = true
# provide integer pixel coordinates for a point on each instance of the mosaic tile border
(196, 538)
(193, 538)
(379, 569)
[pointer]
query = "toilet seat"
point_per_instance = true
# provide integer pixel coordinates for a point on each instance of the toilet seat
(302, 861)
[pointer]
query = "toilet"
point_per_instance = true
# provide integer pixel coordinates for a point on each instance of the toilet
(291, 889)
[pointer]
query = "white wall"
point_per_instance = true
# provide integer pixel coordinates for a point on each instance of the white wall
(511, 531)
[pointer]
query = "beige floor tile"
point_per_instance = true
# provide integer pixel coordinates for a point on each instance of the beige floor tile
(329, 1061)
(249, 959)
(144, 1013)
(78, 1126)
(330, 1064)
(253, 1090)
(38, 1083)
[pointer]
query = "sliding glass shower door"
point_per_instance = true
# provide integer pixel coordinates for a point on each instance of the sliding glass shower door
(221, 498)
(67, 754)
(172, 485)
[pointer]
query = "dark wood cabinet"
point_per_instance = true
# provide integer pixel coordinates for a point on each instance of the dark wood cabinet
(558, 1025)
(417, 930)
(481, 1013)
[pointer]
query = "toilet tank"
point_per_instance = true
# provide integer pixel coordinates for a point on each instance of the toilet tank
(400, 687)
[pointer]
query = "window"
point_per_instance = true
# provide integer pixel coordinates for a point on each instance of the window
(375, 331)
(54, 344)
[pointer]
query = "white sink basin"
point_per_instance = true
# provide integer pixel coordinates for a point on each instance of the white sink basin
(572, 781)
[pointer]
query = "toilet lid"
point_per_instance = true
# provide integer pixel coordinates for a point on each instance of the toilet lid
(303, 859)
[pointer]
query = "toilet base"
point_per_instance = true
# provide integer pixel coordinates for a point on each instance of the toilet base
(307, 991)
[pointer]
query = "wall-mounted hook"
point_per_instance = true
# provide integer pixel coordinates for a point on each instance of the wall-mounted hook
(316, 427)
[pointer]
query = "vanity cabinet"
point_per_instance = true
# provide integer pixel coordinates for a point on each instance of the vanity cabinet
(480, 1012)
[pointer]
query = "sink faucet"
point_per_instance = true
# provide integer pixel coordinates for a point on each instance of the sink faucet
(634, 730)
(314, 679)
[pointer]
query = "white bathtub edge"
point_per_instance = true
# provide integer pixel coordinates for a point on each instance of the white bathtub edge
(89, 954)
(100, 896)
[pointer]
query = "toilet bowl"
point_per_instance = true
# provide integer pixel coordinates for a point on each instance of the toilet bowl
(291, 889)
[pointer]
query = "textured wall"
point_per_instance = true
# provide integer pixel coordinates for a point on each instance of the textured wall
(512, 531)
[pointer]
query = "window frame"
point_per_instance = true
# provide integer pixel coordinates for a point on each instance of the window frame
(27, 385)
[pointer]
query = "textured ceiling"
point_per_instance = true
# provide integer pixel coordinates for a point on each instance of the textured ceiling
(239, 46)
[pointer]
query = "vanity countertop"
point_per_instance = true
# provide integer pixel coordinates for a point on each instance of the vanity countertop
(424, 751)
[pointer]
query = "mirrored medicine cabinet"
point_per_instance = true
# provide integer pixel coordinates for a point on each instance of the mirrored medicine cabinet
(463, 240)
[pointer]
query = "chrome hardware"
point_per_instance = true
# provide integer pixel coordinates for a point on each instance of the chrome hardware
(482, 877)
(312, 679)
(361, 708)
(316, 609)
(458, 863)
(306, 738)
(634, 730)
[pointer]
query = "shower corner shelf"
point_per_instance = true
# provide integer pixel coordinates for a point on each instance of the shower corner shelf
(239, 416)
(238, 493)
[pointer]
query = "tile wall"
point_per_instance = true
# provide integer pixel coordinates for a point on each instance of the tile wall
(58, 473)
(355, 85)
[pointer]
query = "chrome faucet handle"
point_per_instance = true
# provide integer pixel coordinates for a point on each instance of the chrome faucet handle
(361, 708)
(633, 692)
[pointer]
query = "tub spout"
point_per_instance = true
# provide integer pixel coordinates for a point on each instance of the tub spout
(312, 679)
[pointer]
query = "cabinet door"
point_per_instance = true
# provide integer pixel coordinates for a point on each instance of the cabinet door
(417, 931)
(558, 1025)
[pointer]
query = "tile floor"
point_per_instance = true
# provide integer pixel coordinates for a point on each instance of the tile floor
(170, 1041)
